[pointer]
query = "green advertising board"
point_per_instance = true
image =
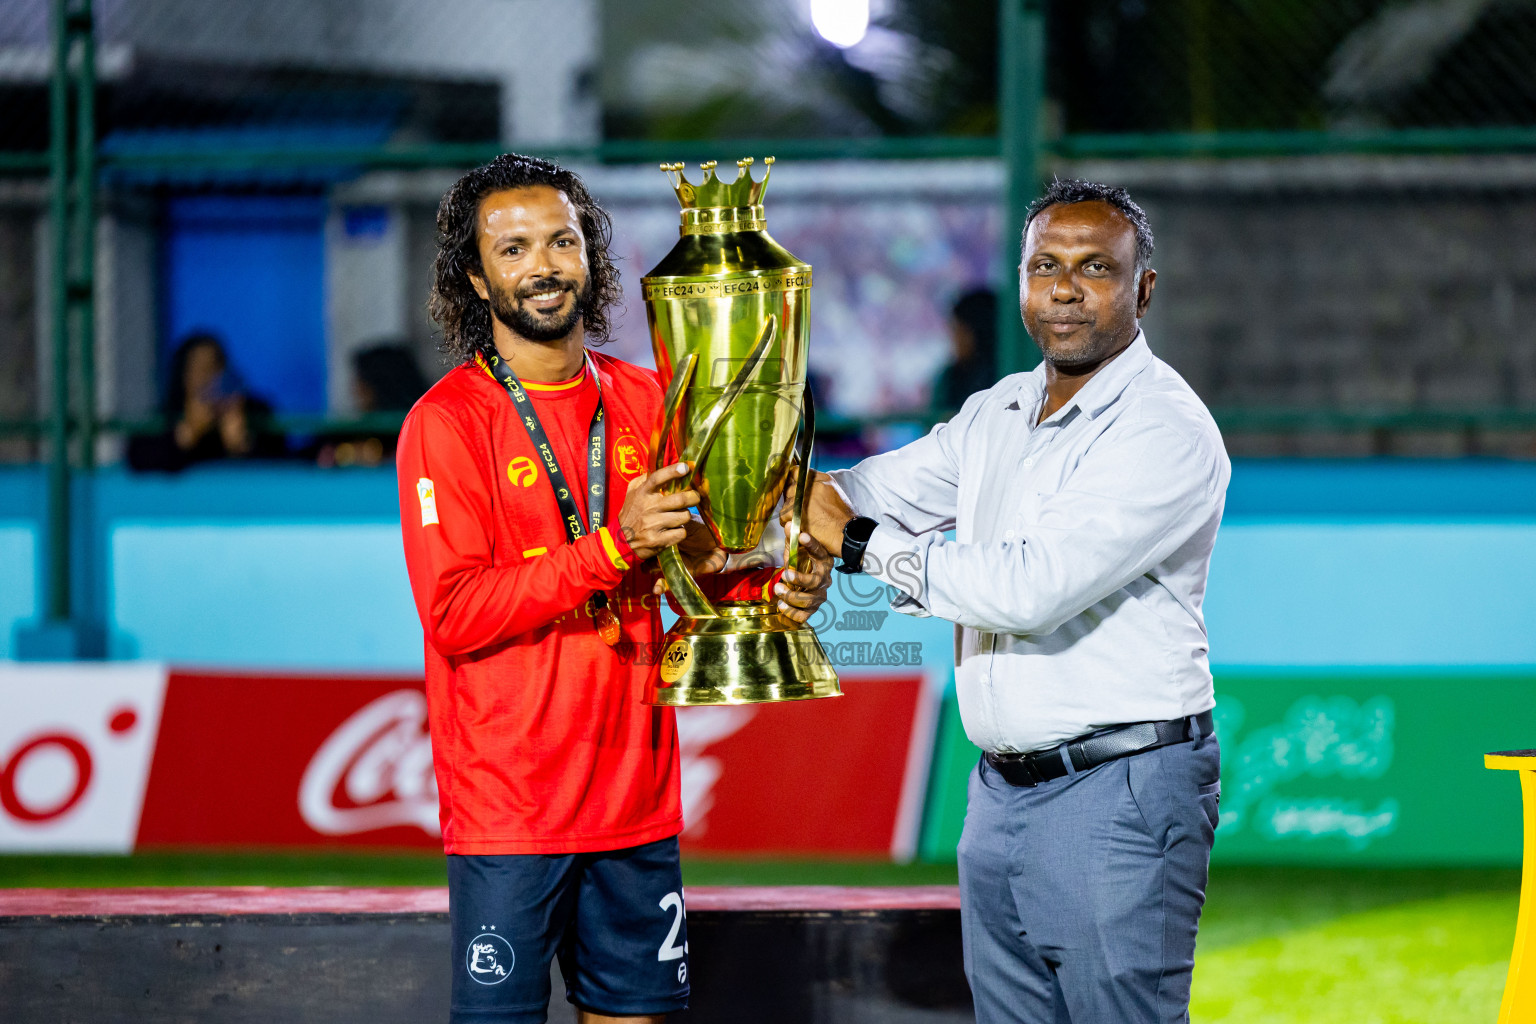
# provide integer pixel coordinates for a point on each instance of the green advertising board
(1335, 766)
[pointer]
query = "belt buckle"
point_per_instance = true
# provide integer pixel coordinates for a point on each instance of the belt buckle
(1035, 778)
(1008, 764)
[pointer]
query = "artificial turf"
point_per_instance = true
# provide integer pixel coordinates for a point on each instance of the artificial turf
(1277, 945)
(1287, 946)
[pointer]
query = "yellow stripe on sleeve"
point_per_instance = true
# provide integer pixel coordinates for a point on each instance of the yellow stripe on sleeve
(612, 549)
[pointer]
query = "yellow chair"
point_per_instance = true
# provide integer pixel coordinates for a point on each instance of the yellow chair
(1519, 1005)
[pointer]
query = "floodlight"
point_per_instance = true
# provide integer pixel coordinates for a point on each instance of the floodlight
(840, 22)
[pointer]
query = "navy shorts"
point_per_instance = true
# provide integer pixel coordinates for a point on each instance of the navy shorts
(614, 919)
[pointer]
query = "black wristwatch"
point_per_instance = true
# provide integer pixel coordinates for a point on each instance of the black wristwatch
(855, 540)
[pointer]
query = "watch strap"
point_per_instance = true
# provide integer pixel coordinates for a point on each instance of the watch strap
(856, 534)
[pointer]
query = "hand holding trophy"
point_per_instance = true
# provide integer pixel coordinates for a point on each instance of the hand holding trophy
(729, 317)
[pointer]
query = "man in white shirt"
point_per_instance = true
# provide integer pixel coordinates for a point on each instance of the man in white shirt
(1084, 498)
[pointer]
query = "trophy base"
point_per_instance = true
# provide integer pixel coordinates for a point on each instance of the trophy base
(749, 655)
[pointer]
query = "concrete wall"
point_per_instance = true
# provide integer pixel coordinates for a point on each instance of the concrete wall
(1346, 282)
(127, 385)
(18, 314)
(377, 282)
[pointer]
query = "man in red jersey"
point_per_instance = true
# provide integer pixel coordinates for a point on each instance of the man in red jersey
(529, 519)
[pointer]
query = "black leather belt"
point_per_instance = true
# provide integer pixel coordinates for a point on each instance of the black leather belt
(1092, 751)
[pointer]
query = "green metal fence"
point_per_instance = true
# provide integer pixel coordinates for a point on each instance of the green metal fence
(1288, 65)
(1096, 80)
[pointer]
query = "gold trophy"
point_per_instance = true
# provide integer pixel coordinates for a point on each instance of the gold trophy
(729, 316)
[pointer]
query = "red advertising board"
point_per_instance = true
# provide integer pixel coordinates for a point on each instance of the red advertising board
(823, 776)
(283, 760)
(279, 760)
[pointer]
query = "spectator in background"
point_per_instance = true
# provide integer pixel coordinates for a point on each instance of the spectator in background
(973, 339)
(385, 379)
(208, 414)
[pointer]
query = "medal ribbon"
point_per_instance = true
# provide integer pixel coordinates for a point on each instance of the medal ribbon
(597, 448)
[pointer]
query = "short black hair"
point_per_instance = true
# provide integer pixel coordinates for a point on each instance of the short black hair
(465, 318)
(977, 310)
(390, 370)
(1064, 192)
(175, 401)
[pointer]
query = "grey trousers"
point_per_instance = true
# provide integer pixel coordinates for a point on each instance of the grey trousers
(1080, 897)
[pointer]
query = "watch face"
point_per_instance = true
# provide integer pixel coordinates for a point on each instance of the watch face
(859, 529)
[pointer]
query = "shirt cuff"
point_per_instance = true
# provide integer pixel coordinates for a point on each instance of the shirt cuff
(842, 492)
(768, 595)
(616, 549)
(896, 558)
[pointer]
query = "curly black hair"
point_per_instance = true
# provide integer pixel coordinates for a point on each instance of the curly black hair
(465, 318)
(1062, 192)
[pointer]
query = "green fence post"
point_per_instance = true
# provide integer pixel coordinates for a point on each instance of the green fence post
(1021, 90)
(83, 283)
(58, 603)
(62, 632)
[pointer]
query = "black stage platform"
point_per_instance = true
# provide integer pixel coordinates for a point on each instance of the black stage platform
(248, 955)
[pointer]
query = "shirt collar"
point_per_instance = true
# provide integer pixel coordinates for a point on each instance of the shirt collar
(588, 365)
(1101, 391)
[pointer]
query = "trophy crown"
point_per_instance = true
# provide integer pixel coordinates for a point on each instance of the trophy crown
(711, 192)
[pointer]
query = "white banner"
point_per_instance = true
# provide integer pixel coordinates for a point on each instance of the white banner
(75, 748)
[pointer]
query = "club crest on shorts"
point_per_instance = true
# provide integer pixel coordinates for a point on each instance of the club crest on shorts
(489, 958)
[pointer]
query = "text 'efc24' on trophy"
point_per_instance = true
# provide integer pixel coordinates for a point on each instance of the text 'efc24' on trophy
(729, 315)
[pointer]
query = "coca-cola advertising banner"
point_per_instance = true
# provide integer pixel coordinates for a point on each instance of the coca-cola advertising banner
(112, 758)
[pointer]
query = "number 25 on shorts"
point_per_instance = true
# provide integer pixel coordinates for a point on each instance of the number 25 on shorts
(670, 950)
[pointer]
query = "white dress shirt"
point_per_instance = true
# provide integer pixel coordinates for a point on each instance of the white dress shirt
(1080, 555)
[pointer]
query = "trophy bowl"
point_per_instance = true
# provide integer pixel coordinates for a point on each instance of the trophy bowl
(729, 316)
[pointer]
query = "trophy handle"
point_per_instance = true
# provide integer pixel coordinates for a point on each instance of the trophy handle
(685, 589)
(670, 406)
(803, 445)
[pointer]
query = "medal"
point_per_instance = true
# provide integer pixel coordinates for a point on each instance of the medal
(605, 621)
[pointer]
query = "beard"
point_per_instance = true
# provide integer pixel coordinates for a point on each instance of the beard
(1112, 330)
(1069, 354)
(536, 325)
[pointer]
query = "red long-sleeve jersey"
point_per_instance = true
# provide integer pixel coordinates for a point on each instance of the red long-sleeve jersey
(539, 741)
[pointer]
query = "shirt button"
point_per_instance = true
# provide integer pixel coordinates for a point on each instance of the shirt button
(1029, 462)
(1009, 535)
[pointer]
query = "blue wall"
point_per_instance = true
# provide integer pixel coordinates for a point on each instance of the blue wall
(252, 270)
(1373, 593)
(1318, 564)
(18, 578)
